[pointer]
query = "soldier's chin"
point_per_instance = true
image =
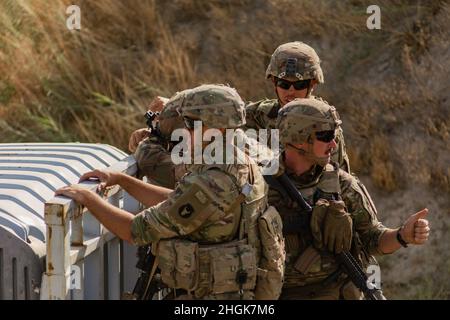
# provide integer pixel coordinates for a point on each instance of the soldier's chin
(323, 161)
(289, 99)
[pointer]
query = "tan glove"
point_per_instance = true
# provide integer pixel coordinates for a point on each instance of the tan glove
(317, 221)
(337, 228)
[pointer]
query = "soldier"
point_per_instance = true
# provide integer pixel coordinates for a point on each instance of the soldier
(344, 216)
(201, 243)
(295, 70)
(153, 154)
(157, 105)
(154, 161)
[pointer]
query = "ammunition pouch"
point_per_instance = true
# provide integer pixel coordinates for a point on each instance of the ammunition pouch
(272, 263)
(178, 262)
(207, 269)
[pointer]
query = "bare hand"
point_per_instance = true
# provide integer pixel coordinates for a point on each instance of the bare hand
(107, 178)
(136, 137)
(75, 192)
(416, 229)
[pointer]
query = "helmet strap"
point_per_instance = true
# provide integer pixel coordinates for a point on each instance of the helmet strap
(276, 91)
(310, 89)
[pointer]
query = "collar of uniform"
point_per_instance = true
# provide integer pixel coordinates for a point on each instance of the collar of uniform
(310, 177)
(329, 180)
(240, 158)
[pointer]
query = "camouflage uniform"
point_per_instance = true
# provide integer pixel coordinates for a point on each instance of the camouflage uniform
(198, 229)
(307, 267)
(154, 162)
(263, 115)
(304, 64)
(153, 153)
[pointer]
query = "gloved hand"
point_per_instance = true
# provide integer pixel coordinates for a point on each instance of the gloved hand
(317, 221)
(337, 228)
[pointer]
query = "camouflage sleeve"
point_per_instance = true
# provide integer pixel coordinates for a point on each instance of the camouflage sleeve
(198, 199)
(361, 207)
(340, 154)
(255, 118)
(155, 162)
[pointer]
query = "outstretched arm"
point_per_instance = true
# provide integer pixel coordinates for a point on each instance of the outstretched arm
(114, 219)
(415, 230)
(146, 193)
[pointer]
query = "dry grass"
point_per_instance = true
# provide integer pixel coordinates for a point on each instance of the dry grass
(89, 85)
(93, 85)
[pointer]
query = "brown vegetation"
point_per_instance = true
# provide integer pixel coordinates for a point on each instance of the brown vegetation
(391, 87)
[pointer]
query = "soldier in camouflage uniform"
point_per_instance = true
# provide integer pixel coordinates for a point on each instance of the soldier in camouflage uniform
(344, 217)
(197, 231)
(295, 70)
(153, 154)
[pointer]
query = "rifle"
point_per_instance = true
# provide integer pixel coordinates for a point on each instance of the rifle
(349, 264)
(144, 288)
(154, 129)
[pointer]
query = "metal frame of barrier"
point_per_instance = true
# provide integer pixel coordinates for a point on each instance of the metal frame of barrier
(84, 260)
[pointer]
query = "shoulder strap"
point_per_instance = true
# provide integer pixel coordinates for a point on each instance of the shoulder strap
(245, 191)
(275, 184)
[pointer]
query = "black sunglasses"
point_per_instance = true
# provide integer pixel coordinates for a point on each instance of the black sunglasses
(298, 85)
(326, 136)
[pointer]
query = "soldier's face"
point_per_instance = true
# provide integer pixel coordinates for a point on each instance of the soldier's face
(323, 149)
(290, 94)
(287, 95)
(317, 152)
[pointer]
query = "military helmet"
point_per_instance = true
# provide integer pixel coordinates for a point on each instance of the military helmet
(300, 118)
(217, 106)
(295, 61)
(169, 119)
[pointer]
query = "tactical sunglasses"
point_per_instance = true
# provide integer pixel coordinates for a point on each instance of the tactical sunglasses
(326, 136)
(298, 85)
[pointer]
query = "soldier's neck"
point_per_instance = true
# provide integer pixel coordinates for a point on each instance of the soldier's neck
(297, 163)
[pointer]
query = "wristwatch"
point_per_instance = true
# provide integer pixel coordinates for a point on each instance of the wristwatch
(400, 239)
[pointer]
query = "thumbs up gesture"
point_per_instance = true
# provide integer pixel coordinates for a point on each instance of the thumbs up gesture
(416, 229)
